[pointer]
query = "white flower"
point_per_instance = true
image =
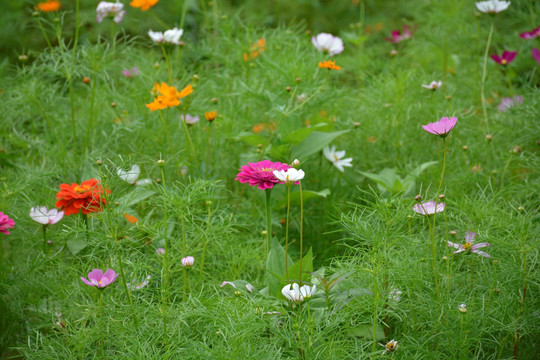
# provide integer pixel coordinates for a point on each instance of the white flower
(190, 120)
(434, 85)
(328, 43)
(492, 6)
(156, 36)
(391, 346)
(170, 36)
(395, 295)
(293, 294)
(132, 176)
(250, 288)
(462, 308)
(307, 291)
(227, 283)
(188, 261)
(335, 157)
(289, 176)
(105, 9)
(137, 286)
(429, 208)
(46, 217)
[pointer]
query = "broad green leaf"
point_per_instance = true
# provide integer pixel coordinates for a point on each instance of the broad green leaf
(416, 172)
(138, 194)
(76, 245)
(294, 270)
(366, 332)
(315, 142)
(297, 136)
(252, 139)
(275, 267)
(307, 195)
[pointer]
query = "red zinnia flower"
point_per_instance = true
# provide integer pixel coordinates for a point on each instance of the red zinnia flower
(86, 197)
(260, 174)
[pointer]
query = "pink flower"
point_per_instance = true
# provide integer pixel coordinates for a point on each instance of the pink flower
(469, 245)
(507, 103)
(188, 261)
(160, 251)
(260, 174)
(97, 278)
(131, 73)
(397, 36)
(530, 34)
(429, 208)
(506, 58)
(434, 85)
(441, 127)
(5, 223)
(535, 53)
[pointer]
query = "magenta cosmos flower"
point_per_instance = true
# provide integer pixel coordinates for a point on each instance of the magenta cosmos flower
(260, 174)
(469, 245)
(506, 58)
(7, 223)
(527, 35)
(441, 127)
(429, 208)
(100, 280)
(397, 36)
(535, 53)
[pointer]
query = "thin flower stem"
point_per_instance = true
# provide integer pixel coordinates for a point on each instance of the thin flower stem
(443, 169)
(45, 35)
(124, 285)
(287, 232)
(433, 250)
(45, 247)
(165, 280)
(209, 146)
(166, 130)
(184, 11)
(268, 222)
(301, 229)
(188, 137)
(100, 322)
(185, 286)
(487, 156)
(90, 128)
(484, 74)
(76, 40)
(206, 240)
(72, 106)
(168, 64)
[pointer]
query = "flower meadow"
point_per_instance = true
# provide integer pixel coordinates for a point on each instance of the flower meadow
(222, 179)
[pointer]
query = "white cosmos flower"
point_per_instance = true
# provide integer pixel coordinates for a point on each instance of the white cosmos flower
(307, 291)
(434, 85)
(105, 9)
(46, 217)
(292, 294)
(429, 208)
(328, 43)
(335, 157)
(156, 36)
(492, 6)
(139, 285)
(289, 176)
(171, 36)
(132, 176)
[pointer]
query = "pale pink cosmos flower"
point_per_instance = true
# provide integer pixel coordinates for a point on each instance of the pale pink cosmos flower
(160, 251)
(289, 176)
(188, 261)
(441, 127)
(535, 53)
(469, 245)
(429, 208)
(189, 119)
(506, 58)
(131, 73)
(527, 35)
(46, 217)
(328, 43)
(507, 103)
(100, 280)
(260, 174)
(492, 6)
(434, 85)
(397, 36)
(5, 223)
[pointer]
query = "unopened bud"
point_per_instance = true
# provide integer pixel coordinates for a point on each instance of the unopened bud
(445, 258)
(495, 261)
(393, 52)
(517, 149)
(496, 290)
(264, 232)
(214, 100)
(195, 78)
(116, 203)
(86, 80)
(298, 79)
(282, 221)
(356, 124)
(50, 242)
(521, 208)
(418, 198)
(453, 233)
(442, 196)
(181, 43)
(465, 148)
(295, 163)
(113, 104)
(161, 163)
(489, 137)
(448, 97)
(156, 65)
(23, 58)
(158, 180)
(288, 89)
(208, 202)
(99, 162)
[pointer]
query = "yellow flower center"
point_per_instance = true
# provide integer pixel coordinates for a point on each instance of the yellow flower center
(336, 158)
(99, 282)
(467, 245)
(503, 62)
(81, 189)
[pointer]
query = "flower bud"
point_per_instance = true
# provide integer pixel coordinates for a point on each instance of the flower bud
(50, 242)
(442, 196)
(517, 149)
(445, 258)
(195, 78)
(453, 233)
(465, 148)
(356, 124)
(116, 203)
(188, 262)
(521, 208)
(489, 137)
(393, 52)
(113, 104)
(23, 58)
(161, 163)
(298, 79)
(295, 163)
(264, 232)
(158, 180)
(99, 162)
(288, 89)
(463, 308)
(86, 80)
(418, 198)
(214, 100)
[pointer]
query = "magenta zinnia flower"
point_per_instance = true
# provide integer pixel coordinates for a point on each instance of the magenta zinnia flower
(260, 174)
(100, 280)
(469, 245)
(527, 35)
(441, 127)
(5, 223)
(397, 36)
(506, 58)
(429, 208)
(535, 53)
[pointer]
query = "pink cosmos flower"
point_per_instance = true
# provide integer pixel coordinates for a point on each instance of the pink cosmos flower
(5, 223)
(527, 35)
(260, 174)
(397, 36)
(160, 251)
(506, 58)
(535, 53)
(469, 245)
(188, 261)
(429, 208)
(434, 85)
(97, 278)
(131, 73)
(507, 103)
(441, 127)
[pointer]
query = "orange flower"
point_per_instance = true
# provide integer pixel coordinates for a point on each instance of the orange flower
(86, 197)
(48, 6)
(143, 4)
(168, 96)
(257, 128)
(210, 115)
(132, 219)
(329, 64)
(255, 49)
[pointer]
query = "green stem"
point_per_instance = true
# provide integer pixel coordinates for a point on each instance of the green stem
(124, 285)
(206, 240)
(168, 64)
(487, 156)
(287, 233)
(45, 247)
(166, 130)
(433, 250)
(165, 280)
(268, 223)
(76, 40)
(45, 35)
(184, 11)
(209, 147)
(188, 137)
(484, 74)
(90, 128)
(100, 322)
(301, 229)
(72, 105)
(185, 286)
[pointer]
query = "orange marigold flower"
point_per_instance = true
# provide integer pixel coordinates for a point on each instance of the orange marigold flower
(255, 49)
(132, 219)
(168, 96)
(210, 115)
(329, 64)
(143, 4)
(49, 5)
(86, 197)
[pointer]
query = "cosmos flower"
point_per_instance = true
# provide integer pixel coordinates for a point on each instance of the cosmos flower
(429, 208)
(329, 64)
(434, 85)
(46, 217)
(49, 6)
(105, 9)
(132, 176)
(336, 158)
(5, 223)
(188, 261)
(260, 174)
(188, 119)
(397, 36)
(307, 291)
(255, 50)
(442, 127)
(293, 294)
(506, 58)
(168, 96)
(462, 308)
(160, 251)
(131, 73)
(289, 176)
(530, 34)
(470, 246)
(492, 6)
(139, 285)
(328, 43)
(171, 36)
(507, 103)
(144, 5)
(85, 197)
(391, 346)
(249, 287)
(535, 53)
(210, 115)
(100, 280)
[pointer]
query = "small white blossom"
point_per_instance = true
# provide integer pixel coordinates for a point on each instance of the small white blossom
(171, 36)
(492, 6)
(434, 85)
(293, 294)
(46, 217)
(105, 9)
(289, 176)
(139, 285)
(328, 43)
(336, 158)
(132, 176)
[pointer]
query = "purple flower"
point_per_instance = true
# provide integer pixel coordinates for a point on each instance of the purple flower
(535, 53)
(469, 245)
(131, 73)
(527, 35)
(100, 280)
(441, 127)
(5, 223)
(507, 103)
(429, 208)
(188, 261)
(506, 58)
(397, 36)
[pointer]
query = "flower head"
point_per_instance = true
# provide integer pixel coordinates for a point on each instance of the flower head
(160, 251)
(307, 291)
(131, 73)
(535, 53)
(462, 308)
(46, 217)
(144, 5)
(255, 50)
(506, 58)
(260, 174)
(171, 36)
(434, 85)
(470, 246)
(210, 115)
(49, 5)
(85, 197)
(131, 219)
(139, 285)
(188, 261)
(100, 280)
(441, 127)
(293, 294)
(132, 176)
(397, 36)
(329, 64)
(492, 6)
(189, 119)
(5, 223)
(116, 10)
(530, 34)
(336, 158)
(391, 346)
(168, 96)
(395, 295)
(429, 208)
(328, 43)
(507, 103)
(289, 176)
